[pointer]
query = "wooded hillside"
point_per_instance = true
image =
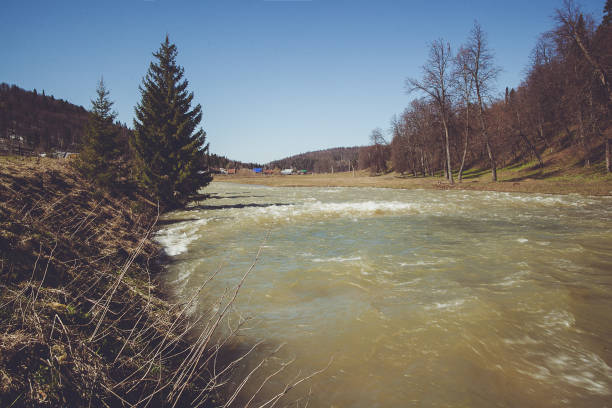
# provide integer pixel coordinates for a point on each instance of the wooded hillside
(458, 122)
(321, 161)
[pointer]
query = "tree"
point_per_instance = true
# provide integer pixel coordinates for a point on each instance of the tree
(589, 91)
(513, 108)
(572, 26)
(401, 149)
(379, 151)
(603, 40)
(483, 71)
(464, 84)
(435, 83)
(169, 152)
(100, 152)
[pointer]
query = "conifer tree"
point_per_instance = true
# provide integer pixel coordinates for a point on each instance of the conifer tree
(101, 149)
(607, 13)
(169, 151)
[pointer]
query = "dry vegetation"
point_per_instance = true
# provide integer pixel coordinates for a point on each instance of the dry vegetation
(561, 175)
(83, 322)
(83, 319)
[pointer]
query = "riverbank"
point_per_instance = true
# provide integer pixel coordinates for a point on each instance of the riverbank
(83, 319)
(519, 180)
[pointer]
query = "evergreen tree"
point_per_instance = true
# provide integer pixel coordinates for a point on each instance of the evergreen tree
(101, 150)
(169, 151)
(607, 14)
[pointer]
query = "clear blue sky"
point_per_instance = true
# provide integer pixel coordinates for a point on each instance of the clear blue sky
(275, 77)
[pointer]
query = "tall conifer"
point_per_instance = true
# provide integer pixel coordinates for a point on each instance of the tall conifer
(169, 151)
(607, 13)
(101, 150)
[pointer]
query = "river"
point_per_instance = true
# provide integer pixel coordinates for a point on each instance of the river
(422, 298)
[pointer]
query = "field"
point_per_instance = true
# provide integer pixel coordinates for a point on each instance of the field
(524, 179)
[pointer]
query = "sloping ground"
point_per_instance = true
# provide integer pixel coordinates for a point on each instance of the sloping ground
(562, 173)
(82, 321)
(510, 181)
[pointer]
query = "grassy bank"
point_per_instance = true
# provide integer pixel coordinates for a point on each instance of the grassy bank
(83, 321)
(524, 179)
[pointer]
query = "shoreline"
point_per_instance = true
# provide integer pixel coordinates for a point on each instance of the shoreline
(572, 184)
(85, 317)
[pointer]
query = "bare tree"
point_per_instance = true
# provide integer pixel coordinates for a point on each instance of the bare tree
(464, 84)
(571, 26)
(435, 83)
(514, 106)
(484, 72)
(401, 146)
(379, 151)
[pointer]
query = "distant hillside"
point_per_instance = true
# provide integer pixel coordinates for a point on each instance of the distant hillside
(216, 161)
(321, 161)
(38, 123)
(32, 122)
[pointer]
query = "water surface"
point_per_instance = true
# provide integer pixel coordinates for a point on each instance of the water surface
(423, 298)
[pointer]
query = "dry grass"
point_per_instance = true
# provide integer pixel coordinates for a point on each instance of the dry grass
(526, 179)
(83, 321)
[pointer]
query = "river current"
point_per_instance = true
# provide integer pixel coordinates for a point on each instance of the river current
(422, 298)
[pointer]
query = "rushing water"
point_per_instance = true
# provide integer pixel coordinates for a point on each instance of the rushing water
(423, 298)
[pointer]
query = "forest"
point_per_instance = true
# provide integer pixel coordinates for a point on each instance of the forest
(38, 122)
(456, 121)
(332, 160)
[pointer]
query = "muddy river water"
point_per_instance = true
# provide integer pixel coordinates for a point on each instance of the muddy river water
(422, 298)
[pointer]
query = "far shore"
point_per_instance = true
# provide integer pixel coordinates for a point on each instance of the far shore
(585, 184)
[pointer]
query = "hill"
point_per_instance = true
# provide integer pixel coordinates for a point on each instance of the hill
(32, 122)
(332, 160)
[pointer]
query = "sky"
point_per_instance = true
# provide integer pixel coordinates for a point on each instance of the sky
(274, 77)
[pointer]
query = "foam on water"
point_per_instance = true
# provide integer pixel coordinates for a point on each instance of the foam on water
(337, 259)
(318, 209)
(176, 238)
(446, 305)
(581, 369)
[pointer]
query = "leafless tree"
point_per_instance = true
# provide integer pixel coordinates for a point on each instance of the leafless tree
(401, 146)
(572, 27)
(379, 151)
(484, 72)
(464, 84)
(436, 85)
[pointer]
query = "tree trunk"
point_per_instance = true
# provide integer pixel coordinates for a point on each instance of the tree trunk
(528, 142)
(448, 158)
(608, 164)
(492, 159)
(533, 150)
(465, 145)
(597, 67)
(543, 136)
(583, 141)
(444, 166)
(423, 172)
(483, 128)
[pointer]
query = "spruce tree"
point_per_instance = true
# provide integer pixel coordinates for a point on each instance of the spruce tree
(100, 151)
(169, 151)
(607, 14)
